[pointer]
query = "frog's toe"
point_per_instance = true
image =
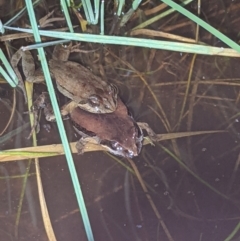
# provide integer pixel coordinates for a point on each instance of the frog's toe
(152, 135)
(80, 147)
(36, 126)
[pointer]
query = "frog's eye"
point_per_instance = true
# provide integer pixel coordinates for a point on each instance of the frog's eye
(94, 100)
(116, 146)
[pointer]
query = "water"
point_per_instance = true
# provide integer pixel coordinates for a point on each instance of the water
(118, 207)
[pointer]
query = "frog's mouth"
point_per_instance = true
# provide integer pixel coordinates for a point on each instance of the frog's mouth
(133, 149)
(116, 149)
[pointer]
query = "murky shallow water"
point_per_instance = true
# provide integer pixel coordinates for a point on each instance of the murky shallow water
(118, 207)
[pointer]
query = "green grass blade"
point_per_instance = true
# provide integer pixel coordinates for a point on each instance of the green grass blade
(7, 77)
(233, 233)
(102, 18)
(136, 4)
(61, 129)
(12, 80)
(42, 45)
(159, 16)
(120, 7)
(139, 42)
(12, 133)
(20, 14)
(203, 24)
(87, 7)
(67, 16)
(96, 10)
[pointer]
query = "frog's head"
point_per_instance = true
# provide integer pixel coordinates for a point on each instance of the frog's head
(103, 101)
(127, 147)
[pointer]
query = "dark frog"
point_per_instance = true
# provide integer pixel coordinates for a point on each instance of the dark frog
(117, 132)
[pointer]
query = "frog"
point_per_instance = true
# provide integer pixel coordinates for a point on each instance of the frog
(117, 132)
(73, 80)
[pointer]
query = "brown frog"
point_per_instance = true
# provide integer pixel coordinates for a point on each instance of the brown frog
(76, 82)
(117, 132)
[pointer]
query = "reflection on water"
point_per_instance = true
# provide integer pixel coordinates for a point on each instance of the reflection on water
(194, 185)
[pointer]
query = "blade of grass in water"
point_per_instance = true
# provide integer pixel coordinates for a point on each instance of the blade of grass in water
(42, 200)
(102, 18)
(57, 149)
(139, 42)
(203, 24)
(130, 12)
(159, 16)
(12, 78)
(61, 129)
(88, 10)
(42, 45)
(12, 133)
(20, 14)
(192, 173)
(120, 7)
(233, 233)
(67, 16)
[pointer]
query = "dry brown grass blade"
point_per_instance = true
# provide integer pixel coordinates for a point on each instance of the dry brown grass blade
(156, 9)
(42, 200)
(203, 82)
(43, 205)
(12, 112)
(187, 90)
(163, 115)
(152, 204)
(10, 37)
(155, 33)
(57, 149)
(149, 11)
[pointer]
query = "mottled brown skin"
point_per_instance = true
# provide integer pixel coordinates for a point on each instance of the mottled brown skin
(83, 87)
(76, 82)
(117, 131)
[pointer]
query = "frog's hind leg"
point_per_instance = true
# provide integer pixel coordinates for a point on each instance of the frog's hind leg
(28, 67)
(42, 102)
(28, 64)
(14, 62)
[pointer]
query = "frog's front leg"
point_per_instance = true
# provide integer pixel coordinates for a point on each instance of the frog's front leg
(83, 141)
(80, 145)
(61, 52)
(68, 108)
(152, 135)
(14, 62)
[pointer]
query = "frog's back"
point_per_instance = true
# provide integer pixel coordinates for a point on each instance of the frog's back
(76, 79)
(80, 84)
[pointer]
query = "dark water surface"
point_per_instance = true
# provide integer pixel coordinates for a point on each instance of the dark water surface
(118, 207)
